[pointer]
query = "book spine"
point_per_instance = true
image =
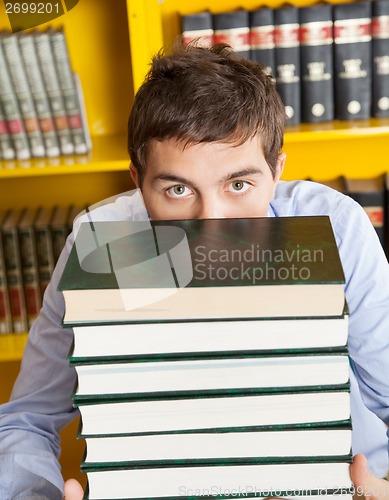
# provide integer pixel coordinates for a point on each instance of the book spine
(7, 151)
(23, 94)
(69, 91)
(29, 266)
(80, 96)
(12, 114)
(380, 55)
(262, 38)
(39, 96)
(44, 252)
(50, 78)
(197, 27)
(317, 95)
(233, 29)
(5, 311)
(352, 60)
(14, 279)
(59, 232)
(287, 55)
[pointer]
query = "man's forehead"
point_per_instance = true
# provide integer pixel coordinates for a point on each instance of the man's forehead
(184, 144)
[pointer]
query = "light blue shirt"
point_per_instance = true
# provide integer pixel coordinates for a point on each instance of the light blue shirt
(41, 402)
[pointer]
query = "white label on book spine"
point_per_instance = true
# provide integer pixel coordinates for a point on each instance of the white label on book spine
(316, 33)
(262, 37)
(380, 27)
(352, 69)
(238, 38)
(203, 37)
(287, 35)
(352, 30)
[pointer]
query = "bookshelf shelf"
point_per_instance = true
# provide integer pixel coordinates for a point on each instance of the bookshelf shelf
(337, 130)
(12, 346)
(108, 154)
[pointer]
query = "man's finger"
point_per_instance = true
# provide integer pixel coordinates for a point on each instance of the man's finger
(365, 483)
(73, 490)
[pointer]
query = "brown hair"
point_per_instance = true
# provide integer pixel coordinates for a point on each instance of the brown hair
(199, 94)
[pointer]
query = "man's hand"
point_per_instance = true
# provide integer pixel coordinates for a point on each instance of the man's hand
(366, 484)
(73, 490)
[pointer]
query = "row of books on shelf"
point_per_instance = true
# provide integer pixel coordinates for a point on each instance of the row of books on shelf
(225, 387)
(373, 195)
(328, 61)
(31, 241)
(42, 112)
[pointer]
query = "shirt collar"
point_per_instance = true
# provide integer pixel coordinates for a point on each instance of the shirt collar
(270, 212)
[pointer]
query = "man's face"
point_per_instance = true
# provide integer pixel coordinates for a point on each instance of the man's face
(209, 180)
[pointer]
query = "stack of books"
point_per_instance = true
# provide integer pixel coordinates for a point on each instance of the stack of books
(211, 358)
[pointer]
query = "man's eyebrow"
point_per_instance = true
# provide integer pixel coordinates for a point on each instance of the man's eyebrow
(173, 178)
(242, 173)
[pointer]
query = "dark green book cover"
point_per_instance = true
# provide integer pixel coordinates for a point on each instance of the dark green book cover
(195, 256)
(299, 242)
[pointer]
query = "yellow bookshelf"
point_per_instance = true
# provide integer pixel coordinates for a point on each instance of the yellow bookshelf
(12, 347)
(110, 44)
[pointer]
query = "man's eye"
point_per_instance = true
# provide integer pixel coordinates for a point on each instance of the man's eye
(179, 191)
(238, 186)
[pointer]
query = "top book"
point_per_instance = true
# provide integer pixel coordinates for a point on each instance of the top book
(191, 270)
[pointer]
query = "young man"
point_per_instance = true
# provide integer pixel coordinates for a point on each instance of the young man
(205, 138)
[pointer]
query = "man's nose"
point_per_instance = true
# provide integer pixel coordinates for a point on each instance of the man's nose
(210, 209)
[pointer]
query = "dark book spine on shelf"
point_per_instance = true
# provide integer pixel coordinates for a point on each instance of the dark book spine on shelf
(59, 230)
(14, 271)
(262, 38)
(233, 28)
(44, 248)
(352, 60)
(7, 151)
(317, 94)
(197, 27)
(5, 311)
(380, 55)
(69, 91)
(23, 94)
(50, 78)
(12, 115)
(370, 194)
(287, 54)
(29, 265)
(39, 96)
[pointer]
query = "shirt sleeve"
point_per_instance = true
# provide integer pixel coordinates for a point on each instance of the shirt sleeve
(40, 405)
(367, 292)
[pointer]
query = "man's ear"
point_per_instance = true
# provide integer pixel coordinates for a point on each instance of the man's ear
(280, 166)
(134, 175)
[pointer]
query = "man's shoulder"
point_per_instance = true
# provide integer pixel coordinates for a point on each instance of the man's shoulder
(298, 198)
(122, 207)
